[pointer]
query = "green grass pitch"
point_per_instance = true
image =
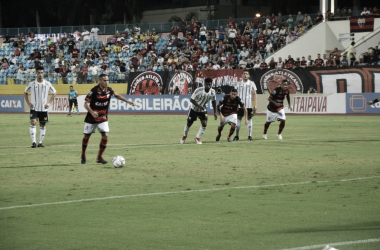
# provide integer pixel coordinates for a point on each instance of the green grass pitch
(319, 185)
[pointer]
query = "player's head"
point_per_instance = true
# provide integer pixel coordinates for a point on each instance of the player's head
(103, 80)
(245, 75)
(208, 84)
(40, 73)
(71, 87)
(284, 84)
(233, 94)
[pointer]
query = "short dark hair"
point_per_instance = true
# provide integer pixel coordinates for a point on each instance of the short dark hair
(285, 81)
(39, 68)
(234, 90)
(208, 80)
(71, 86)
(246, 70)
(102, 75)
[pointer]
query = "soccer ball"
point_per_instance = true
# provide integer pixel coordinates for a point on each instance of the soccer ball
(118, 161)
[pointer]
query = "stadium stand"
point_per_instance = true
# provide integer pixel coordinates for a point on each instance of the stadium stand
(236, 44)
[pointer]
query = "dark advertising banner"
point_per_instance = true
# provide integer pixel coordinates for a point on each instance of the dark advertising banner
(357, 103)
(156, 104)
(11, 103)
(162, 82)
(325, 80)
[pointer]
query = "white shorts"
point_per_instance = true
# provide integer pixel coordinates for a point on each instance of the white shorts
(229, 119)
(280, 115)
(90, 128)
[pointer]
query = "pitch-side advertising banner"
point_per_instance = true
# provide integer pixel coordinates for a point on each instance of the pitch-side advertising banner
(61, 104)
(11, 103)
(156, 104)
(357, 103)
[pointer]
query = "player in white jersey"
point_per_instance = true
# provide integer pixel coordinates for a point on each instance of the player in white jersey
(199, 99)
(247, 93)
(39, 91)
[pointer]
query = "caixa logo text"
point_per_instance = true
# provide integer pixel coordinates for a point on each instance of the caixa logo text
(11, 104)
(375, 106)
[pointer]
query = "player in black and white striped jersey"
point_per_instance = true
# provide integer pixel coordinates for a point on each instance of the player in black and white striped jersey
(199, 99)
(247, 93)
(39, 90)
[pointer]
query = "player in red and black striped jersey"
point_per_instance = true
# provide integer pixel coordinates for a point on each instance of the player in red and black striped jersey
(228, 114)
(96, 103)
(276, 108)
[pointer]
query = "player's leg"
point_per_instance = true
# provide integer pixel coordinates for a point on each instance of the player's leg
(77, 109)
(240, 115)
(281, 117)
(249, 125)
(70, 107)
(43, 118)
(32, 129)
(42, 134)
(87, 132)
(191, 117)
(103, 129)
(232, 130)
(202, 129)
(220, 128)
(231, 119)
(271, 117)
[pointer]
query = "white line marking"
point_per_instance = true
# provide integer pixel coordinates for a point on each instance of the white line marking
(182, 192)
(154, 145)
(334, 244)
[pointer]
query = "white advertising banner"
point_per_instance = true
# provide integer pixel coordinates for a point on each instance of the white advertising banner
(61, 104)
(317, 104)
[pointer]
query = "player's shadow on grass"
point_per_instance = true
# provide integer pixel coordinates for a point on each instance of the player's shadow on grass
(37, 166)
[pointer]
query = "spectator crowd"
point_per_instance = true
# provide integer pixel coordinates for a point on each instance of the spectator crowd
(80, 57)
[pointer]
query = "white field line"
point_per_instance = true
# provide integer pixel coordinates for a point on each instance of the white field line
(151, 145)
(334, 244)
(183, 192)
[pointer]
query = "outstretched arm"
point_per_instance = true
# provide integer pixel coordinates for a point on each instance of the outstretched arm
(254, 98)
(120, 97)
(288, 99)
(374, 101)
(220, 113)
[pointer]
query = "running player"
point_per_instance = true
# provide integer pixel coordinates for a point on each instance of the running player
(73, 100)
(199, 99)
(374, 101)
(96, 103)
(228, 114)
(247, 92)
(276, 108)
(39, 105)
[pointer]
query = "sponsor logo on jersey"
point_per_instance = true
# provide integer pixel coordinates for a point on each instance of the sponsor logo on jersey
(147, 83)
(273, 78)
(184, 81)
(100, 104)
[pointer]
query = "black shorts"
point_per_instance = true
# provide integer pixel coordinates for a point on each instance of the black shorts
(41, 116)
(193, 115)
(73, 101)
(249, 111)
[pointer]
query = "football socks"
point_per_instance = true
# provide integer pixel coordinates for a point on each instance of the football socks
(266, 126)
(281, 126)
(33, 131)
(186, 129)
(201, 131)
(238, 127)
(42, 134)
(102, 147)
(249, 126)
(84, 146)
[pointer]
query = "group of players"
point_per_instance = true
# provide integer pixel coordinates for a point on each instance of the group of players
(241, 102)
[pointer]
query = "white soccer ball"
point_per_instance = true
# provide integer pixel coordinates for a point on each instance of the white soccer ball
(118, 161)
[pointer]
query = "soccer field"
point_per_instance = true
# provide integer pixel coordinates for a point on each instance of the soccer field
(319, 185)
